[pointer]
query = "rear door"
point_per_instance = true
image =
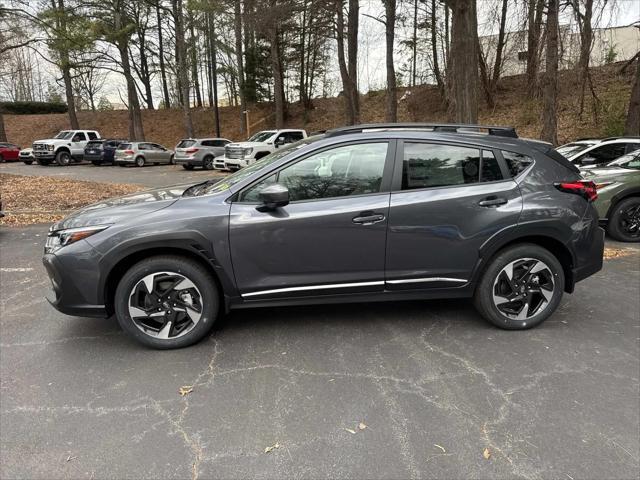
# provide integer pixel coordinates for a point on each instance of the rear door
(446, 201)
(331, 237)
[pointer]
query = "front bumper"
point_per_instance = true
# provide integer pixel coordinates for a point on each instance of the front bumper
(233, 163)
(73, 290)
(44, 155)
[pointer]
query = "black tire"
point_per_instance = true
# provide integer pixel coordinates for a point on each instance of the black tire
(207, 163)
(122, 164)
(96, 163)
(172, 160)
(187, 166)
(196, 273)
(624, 224)
(484, 294)
(28, 162)
(139, 162)
(63, 158)
(1, 159)
(156, 163)
(42, 162)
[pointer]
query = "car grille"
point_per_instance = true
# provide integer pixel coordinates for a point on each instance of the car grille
(39, 147)
(234, 152)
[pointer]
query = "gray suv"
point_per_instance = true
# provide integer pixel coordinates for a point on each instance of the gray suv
(359, 214)
(194, 152)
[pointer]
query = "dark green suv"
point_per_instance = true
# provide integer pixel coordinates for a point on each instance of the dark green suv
(618, 202)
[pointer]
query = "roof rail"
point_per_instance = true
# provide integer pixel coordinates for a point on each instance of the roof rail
(434, 127)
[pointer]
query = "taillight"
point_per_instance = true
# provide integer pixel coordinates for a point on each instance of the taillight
(191, 150)
(128, 152)
(585, 188)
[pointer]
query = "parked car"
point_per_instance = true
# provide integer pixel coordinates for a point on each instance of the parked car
(9, 152)
(101, 151)
(26, 155)
(143, 153)
(65, 147)
(591, 153)
(241, 154)
(618, 201)
(360, 214)
(194, 152)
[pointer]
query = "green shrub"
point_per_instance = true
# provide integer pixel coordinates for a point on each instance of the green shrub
(26, 108)
(613, 115)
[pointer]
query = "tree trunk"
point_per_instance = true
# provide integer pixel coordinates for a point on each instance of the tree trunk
(348, 71)
(194, 64)
(214, 72)
(136, 131)
(434, 47)
(390, 24)
(414, 44)
(463, 62)
(497, 65)
(3, 132)
(183, 70)
(163, 70)
(145, 76)
(534, 29)
(550, 80)
(241, 86)
(632, 124)
(586, 41)
(65, 64)
(276, 67)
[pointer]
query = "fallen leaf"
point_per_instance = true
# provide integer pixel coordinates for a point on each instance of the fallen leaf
(440, 447)
(353, 432)
(486, 454)
(271, 448)
(186, 390)
(610, 252)
(362, 426)
(69, 458)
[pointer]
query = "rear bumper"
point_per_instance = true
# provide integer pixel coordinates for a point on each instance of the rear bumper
(592, 259)
(96, 158)
(197, 162)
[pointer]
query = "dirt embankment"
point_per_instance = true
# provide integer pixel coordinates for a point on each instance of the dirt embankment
(419, 104)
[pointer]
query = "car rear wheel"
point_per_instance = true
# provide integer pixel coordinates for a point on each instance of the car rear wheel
(140, 162)
(521, 287)
(167, 302)
(624, 223)
(63, 159)
(207, 163)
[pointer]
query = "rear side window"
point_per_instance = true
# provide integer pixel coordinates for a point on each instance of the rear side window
(294, 136)
(516, 162)
(187, 143)
(430, 165)
(92, 135)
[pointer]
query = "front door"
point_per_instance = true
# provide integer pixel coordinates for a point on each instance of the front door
(447, 200)
(330, 239)
(78, 143)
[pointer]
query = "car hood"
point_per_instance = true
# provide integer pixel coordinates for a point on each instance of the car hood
(119, 209)
(246, 144)
(50, 140)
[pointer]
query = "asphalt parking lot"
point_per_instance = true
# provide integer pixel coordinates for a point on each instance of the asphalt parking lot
(150, 176)
(434, 385)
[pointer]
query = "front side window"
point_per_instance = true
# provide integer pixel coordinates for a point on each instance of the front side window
(427, 165)
(337, 172)
(605, 153)
(79, 137)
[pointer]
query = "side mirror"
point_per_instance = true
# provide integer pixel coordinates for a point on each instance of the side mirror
(279, 142)
(588, 161)
(273, 197)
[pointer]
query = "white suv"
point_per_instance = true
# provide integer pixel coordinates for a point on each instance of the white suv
(242, 154)
(590, 153)
(66, 146)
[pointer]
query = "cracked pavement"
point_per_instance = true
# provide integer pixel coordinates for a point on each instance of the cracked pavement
(434, 384)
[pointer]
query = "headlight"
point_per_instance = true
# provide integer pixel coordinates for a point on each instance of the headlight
(247, 151)
(61, 238)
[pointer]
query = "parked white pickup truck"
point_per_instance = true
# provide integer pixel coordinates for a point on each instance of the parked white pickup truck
(66, 146)
(242, 154)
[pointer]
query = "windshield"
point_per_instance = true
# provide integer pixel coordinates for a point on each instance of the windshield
(625, 160)
(64, 135)
(261, 136)
(215, 186)
(186, 143)
(571, 149)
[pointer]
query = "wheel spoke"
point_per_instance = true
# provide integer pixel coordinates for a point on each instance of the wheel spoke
(164, 333)
(524, 312)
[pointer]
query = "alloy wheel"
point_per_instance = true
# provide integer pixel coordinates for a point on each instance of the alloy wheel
(165, 305)
(630, 221)
(523, 288)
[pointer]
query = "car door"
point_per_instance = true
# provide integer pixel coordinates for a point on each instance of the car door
(330, 238)
(446, 201)
(78, 141)
(161, 154)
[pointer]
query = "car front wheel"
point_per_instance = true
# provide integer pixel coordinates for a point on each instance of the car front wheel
(167, 302)
(63, 159)
(521, 287)
(624, 224)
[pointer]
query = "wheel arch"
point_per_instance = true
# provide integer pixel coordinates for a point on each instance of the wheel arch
(63, 148)
(546, 240)
(116, 272)
(623, 195)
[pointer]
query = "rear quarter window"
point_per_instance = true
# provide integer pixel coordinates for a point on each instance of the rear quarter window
(516, 162)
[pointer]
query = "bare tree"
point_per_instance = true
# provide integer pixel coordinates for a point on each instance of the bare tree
(182, 67)
(550, 79)
(349, 72)
(237, 16)
(535, 9)
(462, 75)
(390, 25)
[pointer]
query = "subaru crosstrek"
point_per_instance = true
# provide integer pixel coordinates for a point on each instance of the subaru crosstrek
(359, 214)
